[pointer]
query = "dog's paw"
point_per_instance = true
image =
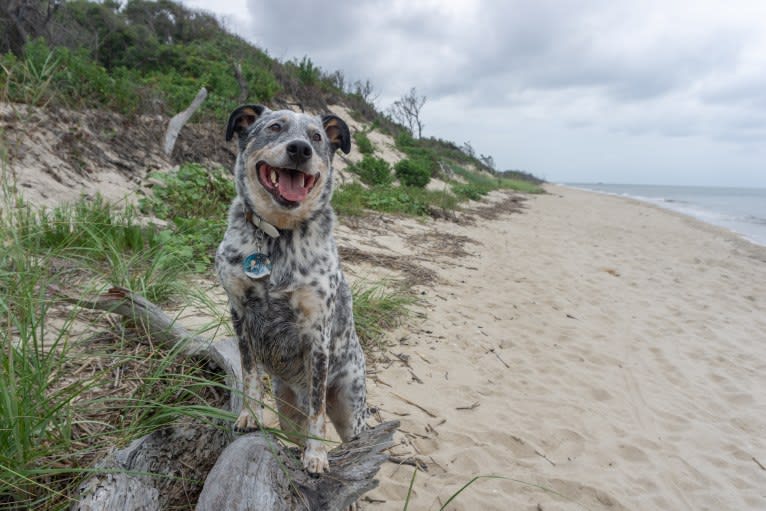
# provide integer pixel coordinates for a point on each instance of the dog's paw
(315, 459)
(246, 422)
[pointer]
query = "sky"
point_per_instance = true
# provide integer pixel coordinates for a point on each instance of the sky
(615, 91)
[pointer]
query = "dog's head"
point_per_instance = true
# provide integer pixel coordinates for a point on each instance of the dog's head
(284, 166)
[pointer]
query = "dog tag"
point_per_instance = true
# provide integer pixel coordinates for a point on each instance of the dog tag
(257, 265)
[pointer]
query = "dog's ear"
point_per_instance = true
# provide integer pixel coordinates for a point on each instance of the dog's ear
(337, 132)
(242, 118)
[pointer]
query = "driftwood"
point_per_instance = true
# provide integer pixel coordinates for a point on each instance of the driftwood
(253, 472)
(179, 120)
(153, 471)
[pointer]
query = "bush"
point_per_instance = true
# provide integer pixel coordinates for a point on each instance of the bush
(413, 173)
(363, 143)
(195, 200)
(352, 199)
(373, 171)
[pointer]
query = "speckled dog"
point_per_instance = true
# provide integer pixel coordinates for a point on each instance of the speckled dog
(290, 304)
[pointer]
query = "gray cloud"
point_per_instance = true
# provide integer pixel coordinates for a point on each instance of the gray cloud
(657, 68)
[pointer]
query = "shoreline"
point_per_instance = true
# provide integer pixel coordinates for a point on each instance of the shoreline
(593, 351)
(661, 203)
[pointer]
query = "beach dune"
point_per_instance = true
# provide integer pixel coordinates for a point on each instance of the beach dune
(593, 352)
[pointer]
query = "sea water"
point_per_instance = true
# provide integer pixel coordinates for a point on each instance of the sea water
(742, 210)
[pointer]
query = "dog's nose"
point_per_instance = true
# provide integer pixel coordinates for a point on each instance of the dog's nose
(299, 151)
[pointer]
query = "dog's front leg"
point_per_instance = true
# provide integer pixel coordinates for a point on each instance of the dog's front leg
(315, 453)
(314, 326)
(251, 416)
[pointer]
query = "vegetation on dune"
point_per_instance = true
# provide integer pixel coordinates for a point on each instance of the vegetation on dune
(148, 57)
(64, 404)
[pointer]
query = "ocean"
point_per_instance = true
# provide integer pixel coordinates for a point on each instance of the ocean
(741, 210)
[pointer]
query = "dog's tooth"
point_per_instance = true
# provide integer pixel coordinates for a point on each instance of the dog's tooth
(303, 179)
(274, 177)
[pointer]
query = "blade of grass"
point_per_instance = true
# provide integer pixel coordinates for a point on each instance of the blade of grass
(409, 490)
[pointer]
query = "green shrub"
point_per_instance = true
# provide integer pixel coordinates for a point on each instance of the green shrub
(413, 172)
(373, 171)
(363, 143)
(353, 199)
(196, 201)
(471, 191)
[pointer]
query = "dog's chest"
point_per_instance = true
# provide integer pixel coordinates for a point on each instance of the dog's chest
(276, 310)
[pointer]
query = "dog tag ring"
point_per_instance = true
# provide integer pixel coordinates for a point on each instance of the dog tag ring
(257, 265)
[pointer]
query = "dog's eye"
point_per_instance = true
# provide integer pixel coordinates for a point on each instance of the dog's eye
(316, 137)
(276, 127)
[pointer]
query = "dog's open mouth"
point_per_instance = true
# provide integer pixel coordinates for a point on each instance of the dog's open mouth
(288, 186)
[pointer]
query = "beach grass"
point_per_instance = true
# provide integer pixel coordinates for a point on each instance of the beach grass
(476, 185)
(355, 200)
(72, 384)
(378, 308)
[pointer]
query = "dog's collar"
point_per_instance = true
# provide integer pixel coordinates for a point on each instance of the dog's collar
(262, 224)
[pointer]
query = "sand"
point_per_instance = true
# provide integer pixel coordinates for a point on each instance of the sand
(596, 352)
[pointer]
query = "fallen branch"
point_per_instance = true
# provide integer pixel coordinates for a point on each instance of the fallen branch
(179, 120)
(223, 354)
(428, 412)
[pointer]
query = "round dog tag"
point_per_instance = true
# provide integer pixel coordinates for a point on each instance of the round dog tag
(257, 265)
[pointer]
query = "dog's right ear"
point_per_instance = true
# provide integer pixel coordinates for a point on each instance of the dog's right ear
(242, 118)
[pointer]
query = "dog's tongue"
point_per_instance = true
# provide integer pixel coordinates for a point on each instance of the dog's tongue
(292, 185)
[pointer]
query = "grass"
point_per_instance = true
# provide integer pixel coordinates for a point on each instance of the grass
(70, 390)
(477, 185)
(92, 240)
(377, 310)
(353, 199)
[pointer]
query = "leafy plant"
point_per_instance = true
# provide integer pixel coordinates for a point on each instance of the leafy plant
(308, 73)
(353, 199)
(363, 143)
(373, 171)
(412, 172)
(196, 201)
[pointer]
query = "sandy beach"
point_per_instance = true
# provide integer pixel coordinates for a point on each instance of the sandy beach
(593, 351)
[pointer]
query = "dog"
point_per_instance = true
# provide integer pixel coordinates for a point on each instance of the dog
(290, 304)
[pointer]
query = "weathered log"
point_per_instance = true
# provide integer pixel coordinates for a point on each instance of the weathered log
(254, 472)
(155, 471)
(179, 121)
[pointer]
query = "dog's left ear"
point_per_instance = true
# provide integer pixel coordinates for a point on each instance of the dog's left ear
(338, 133)
(242, 118)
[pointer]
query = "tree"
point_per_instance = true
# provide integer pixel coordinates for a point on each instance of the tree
(365, 91)
(468, 149)
(23, 20)
(406, 111)
(488, 161)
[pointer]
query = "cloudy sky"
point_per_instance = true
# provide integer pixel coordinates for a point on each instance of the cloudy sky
(665, 92)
